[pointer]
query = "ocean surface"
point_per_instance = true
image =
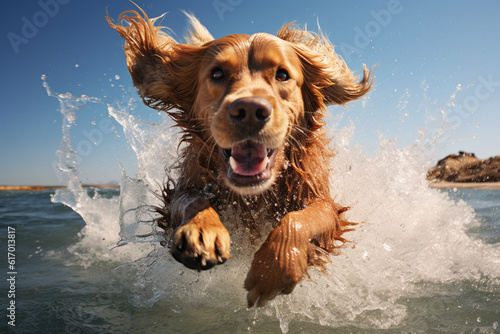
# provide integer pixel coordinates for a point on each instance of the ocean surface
(65, 286)
(79, 260)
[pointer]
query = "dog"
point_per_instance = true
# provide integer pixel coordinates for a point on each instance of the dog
(251, 110)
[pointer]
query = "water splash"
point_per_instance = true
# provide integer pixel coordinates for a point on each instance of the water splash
(412, 241)
(68, 105)
(152, 144)
(100, 214)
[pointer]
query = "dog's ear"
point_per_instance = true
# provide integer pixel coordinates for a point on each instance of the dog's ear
(198, 34)
(162, 70)
(327, 79)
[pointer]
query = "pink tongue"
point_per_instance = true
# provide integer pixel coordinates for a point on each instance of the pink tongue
(248, 159)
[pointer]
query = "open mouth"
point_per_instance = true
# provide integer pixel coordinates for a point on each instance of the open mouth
(249, 163)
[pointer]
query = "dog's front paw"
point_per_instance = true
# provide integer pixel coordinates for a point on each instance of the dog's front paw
(278, 265)
(201, 243)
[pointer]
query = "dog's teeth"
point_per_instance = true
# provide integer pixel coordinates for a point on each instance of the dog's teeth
(264, 163)
(232, 163)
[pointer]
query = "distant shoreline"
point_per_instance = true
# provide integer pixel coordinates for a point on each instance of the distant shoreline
(41, 188)
(466, 185)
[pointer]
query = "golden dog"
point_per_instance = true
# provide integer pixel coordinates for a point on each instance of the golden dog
(251, 110)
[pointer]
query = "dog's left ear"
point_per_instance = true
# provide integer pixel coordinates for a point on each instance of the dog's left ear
(327, 79)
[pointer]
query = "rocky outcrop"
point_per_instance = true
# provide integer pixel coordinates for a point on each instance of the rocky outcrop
(465, 167)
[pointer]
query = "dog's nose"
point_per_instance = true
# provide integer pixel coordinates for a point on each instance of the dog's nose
(250, 111)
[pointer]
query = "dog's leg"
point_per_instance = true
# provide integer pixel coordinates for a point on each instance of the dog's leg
(200, 240)
(283, 259)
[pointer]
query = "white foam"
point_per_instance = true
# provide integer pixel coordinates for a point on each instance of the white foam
(411, 234)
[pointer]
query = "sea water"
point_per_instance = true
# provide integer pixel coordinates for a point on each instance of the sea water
(90, 260)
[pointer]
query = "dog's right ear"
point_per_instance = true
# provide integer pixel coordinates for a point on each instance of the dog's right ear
(163, 71)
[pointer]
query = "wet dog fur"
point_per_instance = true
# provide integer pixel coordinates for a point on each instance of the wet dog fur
(251, 109)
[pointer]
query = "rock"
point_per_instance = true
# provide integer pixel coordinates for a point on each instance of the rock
(465, 167)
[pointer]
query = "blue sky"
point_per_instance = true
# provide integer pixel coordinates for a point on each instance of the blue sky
(424, 51)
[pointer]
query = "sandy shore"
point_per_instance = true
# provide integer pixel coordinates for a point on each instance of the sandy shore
(40, 188)
(466, 185)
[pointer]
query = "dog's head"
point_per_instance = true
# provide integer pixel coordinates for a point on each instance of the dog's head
(247, 98)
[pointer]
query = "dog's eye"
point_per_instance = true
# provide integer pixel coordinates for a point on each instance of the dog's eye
(282, 75)
(218, 75)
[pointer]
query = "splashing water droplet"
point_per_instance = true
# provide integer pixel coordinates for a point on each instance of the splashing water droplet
(388, 245)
